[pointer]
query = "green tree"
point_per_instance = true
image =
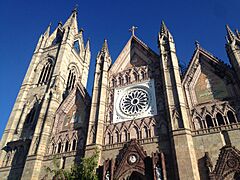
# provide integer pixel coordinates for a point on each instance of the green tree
(85, 170)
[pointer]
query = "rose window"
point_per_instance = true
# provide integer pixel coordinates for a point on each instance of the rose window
(134, 102)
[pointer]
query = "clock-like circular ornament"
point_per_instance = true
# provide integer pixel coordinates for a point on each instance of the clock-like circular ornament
(132, 159)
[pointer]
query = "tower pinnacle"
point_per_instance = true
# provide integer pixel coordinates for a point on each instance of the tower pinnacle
(230, 34)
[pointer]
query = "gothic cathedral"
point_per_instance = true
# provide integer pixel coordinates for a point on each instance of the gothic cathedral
(149, 118)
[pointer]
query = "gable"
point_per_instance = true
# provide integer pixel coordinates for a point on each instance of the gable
(134, 54)
(227, 163)
(209, 86)
(73, 112)
(208, 79)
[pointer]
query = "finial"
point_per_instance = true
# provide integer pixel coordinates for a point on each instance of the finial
(81, 30)
(60, 23)
(50, 24)
(197, 44)
(75, 8)
(164, 29)
(132, 29)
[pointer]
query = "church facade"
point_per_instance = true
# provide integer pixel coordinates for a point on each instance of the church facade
(147, 118)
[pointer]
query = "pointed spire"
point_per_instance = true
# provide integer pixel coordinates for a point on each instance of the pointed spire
(237, 33)
(105, 47)
(47, 32)
(164, 29)
(230, 35)
(72, 21)
(87, 48)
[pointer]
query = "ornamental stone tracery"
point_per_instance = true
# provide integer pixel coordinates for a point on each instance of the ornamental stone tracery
(134, 101)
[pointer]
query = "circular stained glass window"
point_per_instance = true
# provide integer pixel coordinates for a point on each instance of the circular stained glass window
(135, 101)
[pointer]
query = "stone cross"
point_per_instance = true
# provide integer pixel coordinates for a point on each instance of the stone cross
(132, 29)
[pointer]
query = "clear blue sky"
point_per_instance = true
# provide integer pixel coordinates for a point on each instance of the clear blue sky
(22, 22)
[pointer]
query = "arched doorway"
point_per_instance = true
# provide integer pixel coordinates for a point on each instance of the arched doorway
(136, 176)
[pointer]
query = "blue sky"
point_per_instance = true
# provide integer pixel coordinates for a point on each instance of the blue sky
(22, 22)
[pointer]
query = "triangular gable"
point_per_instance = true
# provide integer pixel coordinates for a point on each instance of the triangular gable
(227, 163)
(123, 160)
(78, 91)
(77, 102)
(135, 53)
(206, 78)
(201, 54)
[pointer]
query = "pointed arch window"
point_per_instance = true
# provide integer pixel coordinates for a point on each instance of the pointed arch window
(76, 46)
(31, 116)
(74, 144)
(66, 146)
(116, 137)
(71, 80)
(46, 73)
(220, 119)
(125, 135)
(134, 133)
(209, 121)
(144, 132)
(231, 117)
(59, 147)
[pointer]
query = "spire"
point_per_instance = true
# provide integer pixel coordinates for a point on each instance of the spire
(87, 48)
(47, 32)
(105, 47)
(230, 35)
(237, 33)
(72, 21)
(163, 29)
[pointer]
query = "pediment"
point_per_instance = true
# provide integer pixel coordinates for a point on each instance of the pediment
(207, 78)
(228, 162)
(73, 111)
(134, 54)
(130, 157)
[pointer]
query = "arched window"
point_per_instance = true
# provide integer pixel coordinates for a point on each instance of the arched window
(71, 80)
(108, 138)
(66, 146)
(134, 133)
(135, 76)
(116, 137)
(30, 116)
(45, 74)
(74, 144)
(231, 117)
(209, 121)
(113, 82)
(220, 119)
(76, 46)
(144, 132)
(59, 147)
(197, 123)
(125, 135)
(126, 79)
(53, 148)
(119, 80)
(143, 75)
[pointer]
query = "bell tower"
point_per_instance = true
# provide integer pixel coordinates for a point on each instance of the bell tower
(59, 62)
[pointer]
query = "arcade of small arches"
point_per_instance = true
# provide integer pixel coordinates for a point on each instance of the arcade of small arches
(215, 120)
(113, 134)
(131, 75)
(64, 144)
